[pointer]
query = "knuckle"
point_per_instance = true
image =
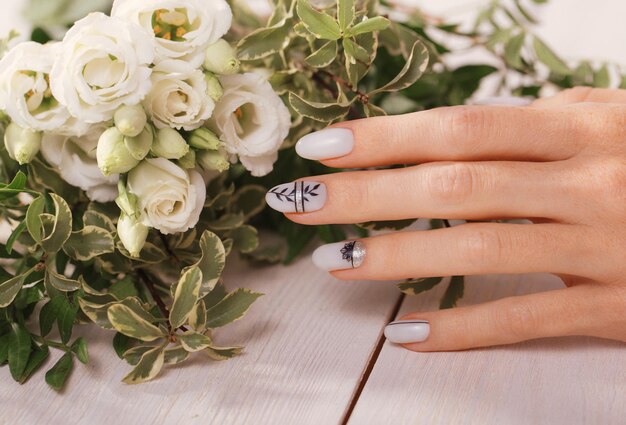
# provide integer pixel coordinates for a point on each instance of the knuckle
(519, 320)
(451, 183)
(465, 126)
(484, 248)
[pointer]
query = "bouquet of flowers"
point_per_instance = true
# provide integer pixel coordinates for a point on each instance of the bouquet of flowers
(138, 151)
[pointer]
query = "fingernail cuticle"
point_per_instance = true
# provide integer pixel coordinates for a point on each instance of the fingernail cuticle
(297, 197)
(407, 331)
(340, 256)
(326, 144)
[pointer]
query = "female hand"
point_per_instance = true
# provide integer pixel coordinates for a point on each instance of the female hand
(560, 163)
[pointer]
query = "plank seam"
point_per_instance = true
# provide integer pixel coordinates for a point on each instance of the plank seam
(371, 363)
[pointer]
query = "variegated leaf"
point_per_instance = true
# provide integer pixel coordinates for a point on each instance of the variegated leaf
(88, 243)
(148, 367)
(186, 296)
(192, 341)
(211, 263)
(61, 227)
(126, 321)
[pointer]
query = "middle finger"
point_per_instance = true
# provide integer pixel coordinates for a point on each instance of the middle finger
(454, 190)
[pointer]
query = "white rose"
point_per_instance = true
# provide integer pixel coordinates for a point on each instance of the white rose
(182, 29)
(25, 92)
(178, 97)
(252, 121)
(104, 63)
(170, 198)
(75, 159)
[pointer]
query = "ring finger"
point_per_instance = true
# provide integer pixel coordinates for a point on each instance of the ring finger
(469, 249)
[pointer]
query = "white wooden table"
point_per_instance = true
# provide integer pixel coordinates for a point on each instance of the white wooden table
(315, 352)
(316, 355)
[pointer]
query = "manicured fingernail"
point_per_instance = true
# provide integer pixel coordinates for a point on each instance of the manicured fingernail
(326, 144)
(407, 331)
(339, 256)
(297, 197)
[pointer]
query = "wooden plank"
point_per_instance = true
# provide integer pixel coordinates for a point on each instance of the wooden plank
(308, 341)
(552, 381)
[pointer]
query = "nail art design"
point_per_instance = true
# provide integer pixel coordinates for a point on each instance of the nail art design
(407, 331)
(354, 253)
(340, 256)
(298, 197)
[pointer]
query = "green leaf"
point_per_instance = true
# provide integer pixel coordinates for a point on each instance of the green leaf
(14, 188)
(88, 243)
(4, 348)
(58, 374)
(121, 344)
(345, 13)
(233, 307)
(454, 292)
(79, 347)
(226, 222)
(36, 359)
(264, 42)
(10, 288)
(372, 110)
(19, 350)
(387, 225)
(192, 341)
(215, 296)
(413, 69)
(176, 355)
(125, 320)
(513, 50)
(124, 288)
(223, 353)
(377, 23)
(211, 262)
(549, 58)
(417, 286)
(602, 79)
(186, 296)
(133, 355)
(249, 201)
(33, 219)
(58, 281)
(197, 318)
(62, 227)
(324, 112)
(317, 23)
(95, 218)
(245, 239)
(324, 56)
(14, 235)
(148, 367)
(65, 313)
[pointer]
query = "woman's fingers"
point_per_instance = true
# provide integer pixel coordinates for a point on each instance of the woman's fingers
(462, 190)
(580, 310)
(582, 94)
(463, 133)
(468, 249)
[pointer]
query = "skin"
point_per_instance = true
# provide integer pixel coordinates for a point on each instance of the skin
(560, 162)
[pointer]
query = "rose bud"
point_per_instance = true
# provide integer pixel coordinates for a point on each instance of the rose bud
(22, 144)
(214, 88)
(112, 154)
(188, 162)
(169, 144)
(140, 145)
(213, 160)
(130, 120)
(205, 139)
(132, 233)
(221, 58)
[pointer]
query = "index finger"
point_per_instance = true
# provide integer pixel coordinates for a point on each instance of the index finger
(460, 133)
